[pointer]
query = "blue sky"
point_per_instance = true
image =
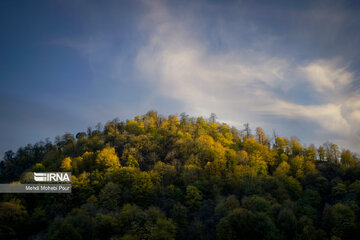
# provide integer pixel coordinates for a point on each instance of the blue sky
(288, 66)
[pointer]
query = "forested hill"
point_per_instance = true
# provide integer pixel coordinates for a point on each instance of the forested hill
(178, 177)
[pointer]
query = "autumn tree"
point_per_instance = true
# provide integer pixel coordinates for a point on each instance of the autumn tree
(107, 158)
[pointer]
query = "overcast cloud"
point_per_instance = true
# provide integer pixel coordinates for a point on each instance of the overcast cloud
(288, 66)
(245, 85)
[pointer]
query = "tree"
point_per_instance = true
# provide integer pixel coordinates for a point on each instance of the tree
(295, 146)
(212, 118)
(321, 153)
(280, 145)
(65, 231)
(12, 217)
(192, 178)
(179, 213)
(340, 219)
(157, 226)
(166, 171)
(257, 162)
(297, 166)
(237, 225)
(355, 188)
(66, 164)
(132, 162)
(148, 224)
(287, 223)
(283, 169)
(256, 203)
(293, 187)
(311, 153)
(110, 197)
(243, 224)
(307, 229)
(107, 225)
(226, 206)
(39, 167)
(208, 150)
(78, 224)
(247, 130)
(261, 137)
(193, 197)
(107, 158)
(347, 158)
(332, 152)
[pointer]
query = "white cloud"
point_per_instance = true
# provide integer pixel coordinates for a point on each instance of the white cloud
(328, 116)
(242, 85)
(327, 75)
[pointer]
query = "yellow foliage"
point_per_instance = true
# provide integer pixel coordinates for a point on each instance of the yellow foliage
(309, 167)
(185, 136)
(295, 146)
(174, 120)
(283, 169)
(107, 158)
(209, 150)
(231, 158)
(155, 177)
(164, 169)
(38, 167)
(297, 163)
(135, 127)
(87, 155)
(215, 168)
(224, 139)
(257, 162)
(142, 183)
(213, 126)
(66, 164)
(77, 165)
(81, 181)
(241, 171)
(251, 145)
(280, 145)
(243, 157)
(224, 128)
(132, 162)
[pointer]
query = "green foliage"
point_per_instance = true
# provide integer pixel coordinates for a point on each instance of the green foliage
(283, 169)
(132, 162)
(178, 177)
(339, 220)
(256, 203)
(12, 216)
(287, 223)
(77, 225)
(193, 197)
(110, 196)
(38, 167)
(244, 224)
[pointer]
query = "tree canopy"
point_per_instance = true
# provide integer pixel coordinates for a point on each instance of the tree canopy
(179, 177)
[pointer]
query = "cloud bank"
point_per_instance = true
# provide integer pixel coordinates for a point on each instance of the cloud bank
(292, 66)
(247, 84)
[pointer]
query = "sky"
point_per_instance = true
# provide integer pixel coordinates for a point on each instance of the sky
(292, 67)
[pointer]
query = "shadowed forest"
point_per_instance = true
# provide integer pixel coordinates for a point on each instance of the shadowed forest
(179, 177)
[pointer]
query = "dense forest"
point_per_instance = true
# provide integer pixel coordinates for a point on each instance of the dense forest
(179, 177)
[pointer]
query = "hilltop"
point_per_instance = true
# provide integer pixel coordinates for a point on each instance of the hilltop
(179, 177)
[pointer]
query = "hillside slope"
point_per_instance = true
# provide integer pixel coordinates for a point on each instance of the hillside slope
(178, 177)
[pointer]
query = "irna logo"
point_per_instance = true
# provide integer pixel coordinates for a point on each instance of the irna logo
(52, 177)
